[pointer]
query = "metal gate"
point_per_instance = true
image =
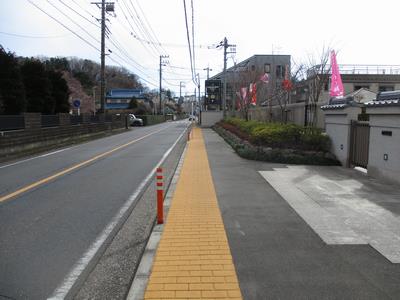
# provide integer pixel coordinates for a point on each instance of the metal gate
(359, 144)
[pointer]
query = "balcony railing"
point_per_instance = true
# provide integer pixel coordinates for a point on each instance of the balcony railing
(367, 69)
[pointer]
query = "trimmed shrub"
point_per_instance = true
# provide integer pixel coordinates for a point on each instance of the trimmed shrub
(278, 135)
(277, 155)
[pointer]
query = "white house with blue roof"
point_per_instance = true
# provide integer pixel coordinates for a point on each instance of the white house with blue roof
(120, 98)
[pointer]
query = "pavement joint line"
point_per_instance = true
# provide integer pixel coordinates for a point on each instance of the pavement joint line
(194, 230)
(141, 278)
(74, 167)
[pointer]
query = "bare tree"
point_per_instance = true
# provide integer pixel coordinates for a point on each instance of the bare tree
(242, 78)
(317, 74)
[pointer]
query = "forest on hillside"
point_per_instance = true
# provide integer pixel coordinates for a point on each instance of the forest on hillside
(43, 84)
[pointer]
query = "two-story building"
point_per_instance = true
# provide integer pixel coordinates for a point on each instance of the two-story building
(249, 72)
(118, 99)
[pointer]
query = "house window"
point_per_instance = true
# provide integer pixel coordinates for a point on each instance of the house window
(279, 71)
(386, 88)
(267, 68)
(253, 67)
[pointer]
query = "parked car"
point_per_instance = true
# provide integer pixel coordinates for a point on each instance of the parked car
(133, 121)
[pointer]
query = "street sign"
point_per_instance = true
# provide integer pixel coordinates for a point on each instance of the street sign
(76, 103)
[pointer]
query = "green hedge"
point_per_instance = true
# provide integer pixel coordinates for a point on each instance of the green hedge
(276, 155)
(151, 119)
(278, 135)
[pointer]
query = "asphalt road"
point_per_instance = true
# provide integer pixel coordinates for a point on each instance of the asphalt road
(46, 228)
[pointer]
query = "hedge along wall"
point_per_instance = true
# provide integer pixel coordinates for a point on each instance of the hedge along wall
(278, 135)
(151, 119)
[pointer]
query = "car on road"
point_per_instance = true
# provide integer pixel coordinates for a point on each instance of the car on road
(133, 121)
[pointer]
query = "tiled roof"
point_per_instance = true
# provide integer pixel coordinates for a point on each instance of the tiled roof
(117, 105)
(376, 103)
(124, 94)
(334, 106)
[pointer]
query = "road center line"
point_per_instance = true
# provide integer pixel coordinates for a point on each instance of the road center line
(65, 288)
(70, 169)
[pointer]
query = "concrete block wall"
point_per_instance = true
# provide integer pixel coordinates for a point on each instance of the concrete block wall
(384, 147)
(209, 118)
(337, 126)
(35, 137)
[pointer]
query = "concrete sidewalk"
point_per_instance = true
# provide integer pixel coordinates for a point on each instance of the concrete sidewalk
(288, 232)
(307, 232)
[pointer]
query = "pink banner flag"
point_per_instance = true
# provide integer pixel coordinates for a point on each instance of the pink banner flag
(336, 80)
(264, 78)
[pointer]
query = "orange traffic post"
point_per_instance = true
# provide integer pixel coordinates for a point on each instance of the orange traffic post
(160, 196)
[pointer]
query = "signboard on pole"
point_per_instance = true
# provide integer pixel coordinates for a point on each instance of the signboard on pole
(213, 93)
(76, 103)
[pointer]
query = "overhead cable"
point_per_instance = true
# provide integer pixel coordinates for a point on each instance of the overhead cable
(73, 21)
(79, 14)
(73, 32)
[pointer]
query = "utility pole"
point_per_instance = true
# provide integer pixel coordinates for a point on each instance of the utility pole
(225, 44)
(162, 63)
(224, 96)
(180, 89)
(105, 7)
(208, 72)
(198, 88)
(103, 57)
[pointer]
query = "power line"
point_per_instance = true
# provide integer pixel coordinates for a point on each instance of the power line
(145, 30)
(194, 57)
(90, 21)
(148, 23)
(84, 9)
(84, 40)
(188, 39)
(126, 60)
(151, 51)
(33, 36)
(141, 78)
(87, 32)
(174, 45)
(140, 28)
(73, 32)
(122, 50)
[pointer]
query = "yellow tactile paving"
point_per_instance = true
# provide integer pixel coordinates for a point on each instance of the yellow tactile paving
(193, 259)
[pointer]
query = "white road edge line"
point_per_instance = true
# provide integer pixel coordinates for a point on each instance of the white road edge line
(63, 289)
(32, 158)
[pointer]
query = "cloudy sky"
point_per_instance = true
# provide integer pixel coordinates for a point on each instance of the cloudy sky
(364, 32)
